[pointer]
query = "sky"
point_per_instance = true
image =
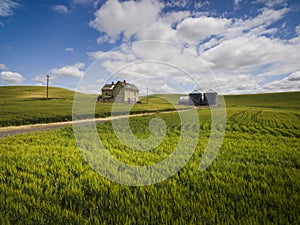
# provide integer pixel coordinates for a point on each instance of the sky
(233, 46)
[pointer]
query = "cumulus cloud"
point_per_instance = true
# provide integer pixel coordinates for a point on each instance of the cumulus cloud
(242, 52)
(7, 7)
(60, 9)
(237, 2)
(40, 79)
(179, 26)
(69, 71)
(2, 66)
(193, 30)
(9, 77)
(289, 83)
(112, 55)
(272, 3)
(256, 26)
(127, 19)
(298, 29)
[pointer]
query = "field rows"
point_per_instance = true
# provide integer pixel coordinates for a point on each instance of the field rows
(254, 179)
(265, 122)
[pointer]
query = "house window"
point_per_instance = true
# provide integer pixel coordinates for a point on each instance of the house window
(119, 89)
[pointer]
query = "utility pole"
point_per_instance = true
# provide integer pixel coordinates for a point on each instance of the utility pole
(47, 86)
(147, 95)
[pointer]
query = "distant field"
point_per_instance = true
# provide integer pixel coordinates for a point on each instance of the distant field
(26, 105)
(285, 101)
(21, 105)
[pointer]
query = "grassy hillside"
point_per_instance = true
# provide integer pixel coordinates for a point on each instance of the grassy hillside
(26, 93)
(21, 105)
(27, 104)
(285, 100)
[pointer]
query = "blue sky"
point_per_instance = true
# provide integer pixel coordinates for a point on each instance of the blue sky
(249, 46)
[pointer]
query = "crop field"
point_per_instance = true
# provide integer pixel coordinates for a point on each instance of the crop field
(22, 105)
(255, 178)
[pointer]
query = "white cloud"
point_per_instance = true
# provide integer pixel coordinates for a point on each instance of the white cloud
(3, 66)
(69, 49)
(177, 3)
(256, 26)
(272, 3)
(193, 30)
(69, 71)
(237, 2)
(60, 9)
(7, 6)
(111, 55)
(242, 52)
(199, 5)
(40, 79)
(9, 77)
(289, 83)
(297, 29)
(127, 19)
(172, 18)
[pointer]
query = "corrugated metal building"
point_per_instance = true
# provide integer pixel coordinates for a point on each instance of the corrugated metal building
(210, 98)
(185, 100)
(198, 98)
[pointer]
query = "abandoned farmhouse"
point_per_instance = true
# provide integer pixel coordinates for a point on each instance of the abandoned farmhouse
(119, 92)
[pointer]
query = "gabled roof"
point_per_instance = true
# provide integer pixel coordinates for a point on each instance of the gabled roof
(108, 87)
(131, 86)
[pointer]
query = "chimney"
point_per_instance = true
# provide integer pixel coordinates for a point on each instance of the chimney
(112, 83)
(124, 81)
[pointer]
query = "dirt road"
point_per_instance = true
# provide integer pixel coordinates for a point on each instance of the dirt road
(13, 130)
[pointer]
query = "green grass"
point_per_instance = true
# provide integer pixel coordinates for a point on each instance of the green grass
(285, 101)
(21, 105)
(255, 178)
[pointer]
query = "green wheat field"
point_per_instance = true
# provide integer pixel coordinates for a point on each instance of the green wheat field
(255, 178)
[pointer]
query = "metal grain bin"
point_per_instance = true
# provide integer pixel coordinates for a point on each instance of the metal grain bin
(197, 97)
(185, 100)
(210, 98)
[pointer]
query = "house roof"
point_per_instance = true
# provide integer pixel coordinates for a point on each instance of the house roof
(110, 87)
(131, 86)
